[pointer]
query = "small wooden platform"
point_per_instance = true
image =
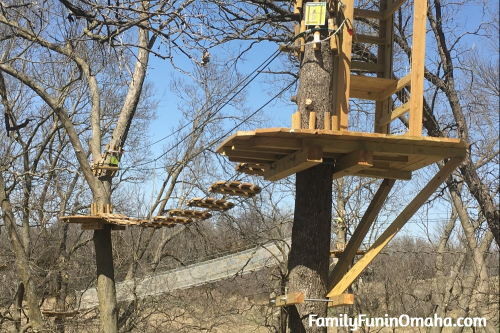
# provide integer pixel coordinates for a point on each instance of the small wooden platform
(211, 203)
(119, 221)
(281, 152)
(235, 188)
(195, 214)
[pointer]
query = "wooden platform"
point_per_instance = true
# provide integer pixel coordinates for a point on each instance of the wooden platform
(119, 221)
(281, 152)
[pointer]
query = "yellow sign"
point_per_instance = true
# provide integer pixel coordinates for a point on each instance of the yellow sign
(315, 13)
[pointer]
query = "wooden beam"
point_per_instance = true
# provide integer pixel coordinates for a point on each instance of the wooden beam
(393, 8)
(344, 68)
(352, 163)
(341, 300)
(396, 113)
(303, 159)
(359, 234)
(390, 174)
(289, 299)
(417, 67)
(398, 85)
(368, 13)
(395, 226)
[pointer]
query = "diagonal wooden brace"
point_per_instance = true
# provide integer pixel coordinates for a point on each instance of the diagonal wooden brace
(359, 234)
(395, 226)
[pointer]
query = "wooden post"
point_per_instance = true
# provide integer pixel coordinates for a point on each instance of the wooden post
(344, 67)
(395, 226)
(417, 67)
(312, 120)
(302, 39)
(296, 120)
(385, 57)
(327, 121)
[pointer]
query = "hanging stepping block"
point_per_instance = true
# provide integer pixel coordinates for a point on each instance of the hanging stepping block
(250, 168)
(235, 188)
(211, 203)
(196, 214)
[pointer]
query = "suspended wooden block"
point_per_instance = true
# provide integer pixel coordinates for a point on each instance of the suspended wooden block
(235, 188)
(172, 219)
(251, 169)
(211, 203)
(197, 214)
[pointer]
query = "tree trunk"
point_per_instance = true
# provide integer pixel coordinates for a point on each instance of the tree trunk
(309, 255)
(108, 311)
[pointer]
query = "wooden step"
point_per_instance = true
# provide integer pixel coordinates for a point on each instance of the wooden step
(211, 203)
(235, 188)
(251, 169)
(197, 214)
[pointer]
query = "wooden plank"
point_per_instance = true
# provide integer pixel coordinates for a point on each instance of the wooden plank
(358, 12)
(417, 67)
(352, 163)
(344, 68)
(341, 300)
(289, 299)
(395, 226)
(303, 159)
(360, 233)
(396, 113)
(312, 120)
(393, 8)
(397, 86)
